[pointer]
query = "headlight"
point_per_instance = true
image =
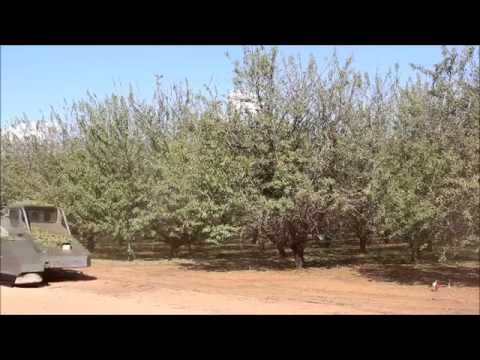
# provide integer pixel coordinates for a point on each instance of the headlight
(67, 247)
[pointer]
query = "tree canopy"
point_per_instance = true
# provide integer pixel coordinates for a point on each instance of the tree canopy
(318, 152)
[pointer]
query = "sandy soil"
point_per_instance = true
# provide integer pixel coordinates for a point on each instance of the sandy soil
(161, 287)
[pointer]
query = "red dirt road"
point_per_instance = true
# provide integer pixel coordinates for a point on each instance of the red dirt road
(161, 287)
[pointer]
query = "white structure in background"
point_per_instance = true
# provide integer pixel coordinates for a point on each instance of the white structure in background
(24, 129)
(243, 103)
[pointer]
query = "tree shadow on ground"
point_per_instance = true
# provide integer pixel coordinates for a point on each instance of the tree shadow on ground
(382, 262)
(251, 258)
(425, 274)
(233, 258)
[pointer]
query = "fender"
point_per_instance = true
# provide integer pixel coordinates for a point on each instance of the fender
(20, 256)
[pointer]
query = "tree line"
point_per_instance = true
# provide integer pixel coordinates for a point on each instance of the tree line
(321, 151)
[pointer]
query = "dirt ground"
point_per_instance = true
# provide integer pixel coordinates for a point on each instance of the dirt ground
(181, 287)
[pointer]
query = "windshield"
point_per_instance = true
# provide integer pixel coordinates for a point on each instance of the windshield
(13, 223)
(42, 215)
(15, 218)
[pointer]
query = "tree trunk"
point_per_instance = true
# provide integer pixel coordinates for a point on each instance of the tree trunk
(429, 247)
(298, 253)
(173, 252)
(413, 255)
(414, 251)
(300, 250)
(262, 246)
(363, 244)
(91, 243)
(130, 252)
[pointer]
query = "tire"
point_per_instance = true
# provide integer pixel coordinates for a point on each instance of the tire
(28, 278)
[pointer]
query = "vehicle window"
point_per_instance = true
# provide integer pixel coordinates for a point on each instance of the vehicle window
(14, 217)
(42, 215)
(34, 216)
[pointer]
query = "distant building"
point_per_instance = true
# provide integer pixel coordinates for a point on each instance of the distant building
(243, 103)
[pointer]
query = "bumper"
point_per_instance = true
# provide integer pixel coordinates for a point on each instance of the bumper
(68, 261)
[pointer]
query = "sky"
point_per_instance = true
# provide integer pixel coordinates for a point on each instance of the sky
(35, 78)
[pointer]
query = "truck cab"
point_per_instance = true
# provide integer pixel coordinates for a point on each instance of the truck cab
(37, 237)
